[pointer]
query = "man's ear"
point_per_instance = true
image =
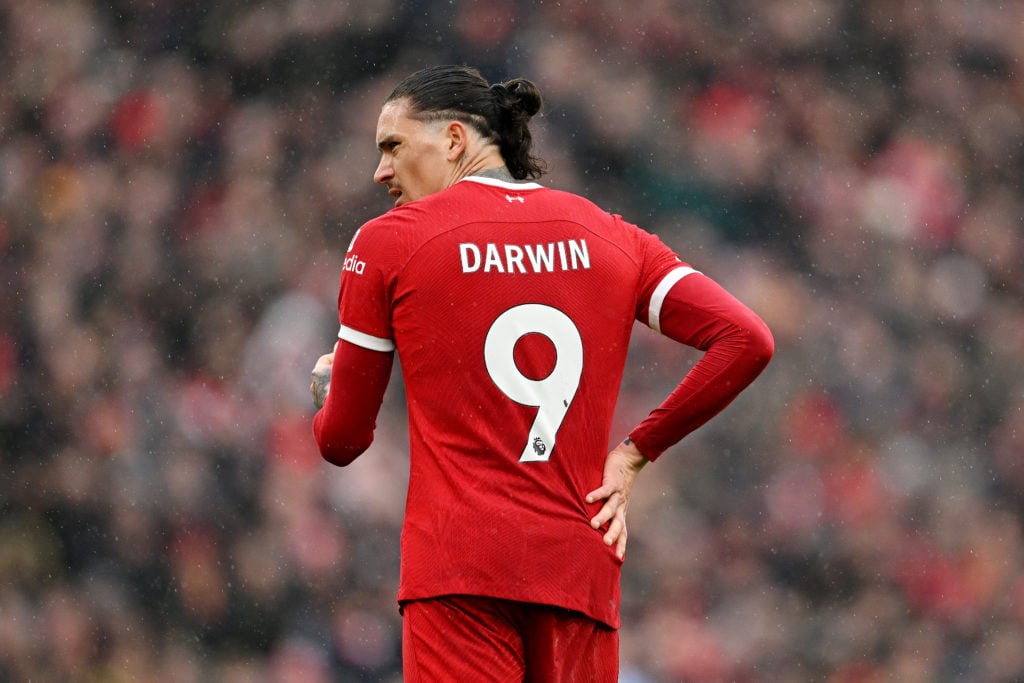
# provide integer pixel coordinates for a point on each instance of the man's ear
(457, 140)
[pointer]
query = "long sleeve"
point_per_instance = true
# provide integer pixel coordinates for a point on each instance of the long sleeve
(344, 426)
(737, 345)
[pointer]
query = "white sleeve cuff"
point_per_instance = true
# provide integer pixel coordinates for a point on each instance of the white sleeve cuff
(367, 341)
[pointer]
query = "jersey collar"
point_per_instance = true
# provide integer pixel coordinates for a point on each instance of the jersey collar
(494, 182)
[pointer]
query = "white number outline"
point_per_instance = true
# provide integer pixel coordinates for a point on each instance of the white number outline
(551, 395)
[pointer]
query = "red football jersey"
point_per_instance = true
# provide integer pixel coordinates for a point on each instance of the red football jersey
(510, 306)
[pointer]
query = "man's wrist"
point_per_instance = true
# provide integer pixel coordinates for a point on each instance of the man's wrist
(631, 449)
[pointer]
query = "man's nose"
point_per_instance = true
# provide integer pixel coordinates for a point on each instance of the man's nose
(384, 172)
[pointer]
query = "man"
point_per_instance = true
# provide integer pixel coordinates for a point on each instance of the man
(511, 306)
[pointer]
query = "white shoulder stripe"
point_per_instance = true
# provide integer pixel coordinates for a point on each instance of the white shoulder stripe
(365, 340)
(661, 291)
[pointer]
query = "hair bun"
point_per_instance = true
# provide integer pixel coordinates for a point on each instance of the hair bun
(519, 94)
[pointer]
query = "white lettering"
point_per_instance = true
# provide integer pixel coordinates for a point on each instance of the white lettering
(493, 259)
(467, 251)
(523, 258)
(354, 265)
(541, 261)
(579, 254)
(514, 258)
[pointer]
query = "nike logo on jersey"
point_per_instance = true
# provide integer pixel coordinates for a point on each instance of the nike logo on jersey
(517, 198)
(524, 258)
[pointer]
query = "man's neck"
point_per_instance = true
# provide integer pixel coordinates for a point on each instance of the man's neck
(498, 173)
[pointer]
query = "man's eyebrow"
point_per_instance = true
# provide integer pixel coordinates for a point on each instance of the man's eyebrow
(385, 140)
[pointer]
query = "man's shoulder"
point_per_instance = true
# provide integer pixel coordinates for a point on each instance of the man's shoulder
(396, 225)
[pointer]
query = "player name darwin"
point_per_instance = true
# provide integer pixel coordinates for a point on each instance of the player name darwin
(524, 258)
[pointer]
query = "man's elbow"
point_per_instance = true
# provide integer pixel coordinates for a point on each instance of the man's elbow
(342, 454)
(338, 447)
(762, 345)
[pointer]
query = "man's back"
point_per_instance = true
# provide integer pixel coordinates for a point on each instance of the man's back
(510, 306)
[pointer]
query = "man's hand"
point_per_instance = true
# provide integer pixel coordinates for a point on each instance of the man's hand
(321, 383)
(620, 470)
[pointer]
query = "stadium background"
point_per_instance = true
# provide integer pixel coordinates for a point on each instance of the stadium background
(179, 180)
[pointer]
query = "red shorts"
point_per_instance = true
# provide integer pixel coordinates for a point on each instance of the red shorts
(469, 638)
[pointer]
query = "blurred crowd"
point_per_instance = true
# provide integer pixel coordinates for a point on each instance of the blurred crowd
(179, 181)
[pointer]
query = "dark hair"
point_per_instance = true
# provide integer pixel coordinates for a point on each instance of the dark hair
(500, 112)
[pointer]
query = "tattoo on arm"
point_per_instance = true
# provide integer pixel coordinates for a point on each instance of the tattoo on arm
(321, 385)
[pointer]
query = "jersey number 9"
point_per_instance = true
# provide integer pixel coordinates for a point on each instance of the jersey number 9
(551, 395)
